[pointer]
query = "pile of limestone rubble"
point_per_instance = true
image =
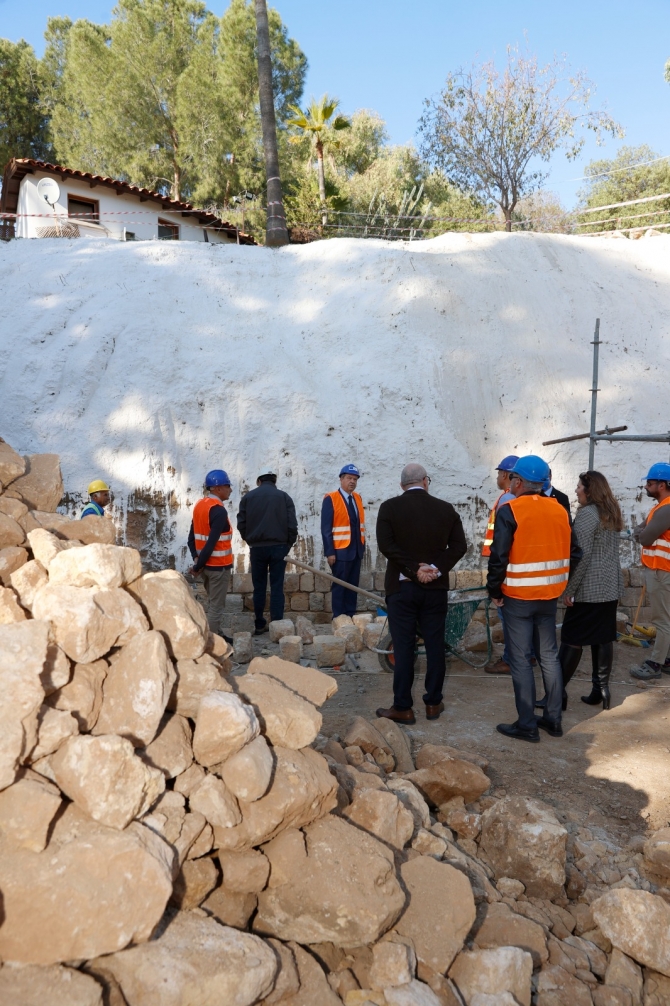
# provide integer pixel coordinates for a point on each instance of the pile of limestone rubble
(172, 834)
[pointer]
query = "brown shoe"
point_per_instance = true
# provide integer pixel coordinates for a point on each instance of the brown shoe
(433, 712)
(397, 715)
(500, 667)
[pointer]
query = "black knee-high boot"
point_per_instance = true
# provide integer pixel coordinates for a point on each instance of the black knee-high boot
(596, 696)
(603, 661)
(568, 657)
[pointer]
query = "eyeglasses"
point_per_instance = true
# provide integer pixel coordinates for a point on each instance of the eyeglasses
(428, 479)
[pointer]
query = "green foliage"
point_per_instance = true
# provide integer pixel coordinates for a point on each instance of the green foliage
(23, 124)
(628, 176)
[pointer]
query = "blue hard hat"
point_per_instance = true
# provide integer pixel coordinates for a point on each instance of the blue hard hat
(507, 464)
(217, 477)
(350, 470)
(659, 472)
(531, 468)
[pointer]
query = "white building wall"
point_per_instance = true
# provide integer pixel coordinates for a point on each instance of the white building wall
(119, 214)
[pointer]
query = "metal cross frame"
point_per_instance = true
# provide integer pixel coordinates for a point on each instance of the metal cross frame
(607, 434)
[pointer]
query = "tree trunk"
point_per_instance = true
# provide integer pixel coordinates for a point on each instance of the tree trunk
(508, 220)
(322, 181)
(276, 233)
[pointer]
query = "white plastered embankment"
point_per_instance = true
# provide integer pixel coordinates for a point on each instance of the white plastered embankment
(149, 363)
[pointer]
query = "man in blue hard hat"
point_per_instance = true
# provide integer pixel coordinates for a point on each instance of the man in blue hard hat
(210, 545)
(343, 536)
(504, 471)
(654, 536)
(532, 554)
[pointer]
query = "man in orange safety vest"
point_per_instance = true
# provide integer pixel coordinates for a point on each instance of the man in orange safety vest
(504, 470)
(532, 554)
(343, 535)
(654, 536)
(210, 545)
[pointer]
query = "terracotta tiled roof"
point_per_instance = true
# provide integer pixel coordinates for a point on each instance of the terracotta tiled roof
(19, 167)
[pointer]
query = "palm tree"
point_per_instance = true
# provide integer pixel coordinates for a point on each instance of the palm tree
(276, 232)
(318, 122)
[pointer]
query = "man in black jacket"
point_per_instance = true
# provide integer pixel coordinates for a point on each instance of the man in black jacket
(423, 539)
(549, 490)
(267, 522)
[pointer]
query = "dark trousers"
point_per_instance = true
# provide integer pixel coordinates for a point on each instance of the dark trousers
(415, 610)
(531, 626)
(268, 559)
(344, 601)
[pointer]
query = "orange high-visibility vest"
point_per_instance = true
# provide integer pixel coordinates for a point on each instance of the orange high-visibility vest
(488, 538)
(539, 559)
(341, 522)
(657, 555)
(222, 554)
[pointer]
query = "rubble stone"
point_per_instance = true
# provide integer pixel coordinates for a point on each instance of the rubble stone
(103, 776)
(86, 531)
(501, 927)
(23, 647)
(441, 776)
(505, 969)
(330, 883)
(624, 972)
(313, 685)
(372, 634)
(247, 774)
(408, 794)
(80, 626)
(213, 799)
(243, 647)
(54, 726)
(205, 962)
(510, 888)
(10, 609)
(428, 844)
(125, 613)
(382, 814)
(11, 559)
(12, 465)
(224, 725)
(41, 485)
(136, 689)
(189, 779)
(203, 843)
(196, 879)
(393, 963)
(173, 611)
(57, 986)
(279, 628)
(287, 982)
(195, 678)
(523, 839)
(657, 852)
(290, 648)
(27, 580)
(45, 546)
(304, 629)
(314, 987)
(27, 808)
(230, 908)
(341, 620)
(329, 651)
(245, 872)
(287, 719)
(638, 924)
(415, 994)
(170, 750)
(82, 695)
(96, 566)
(398, 743)
(11, 532)
(656, 989)
(92, 891)
(556, 986)
(57, 669)
(352, 636)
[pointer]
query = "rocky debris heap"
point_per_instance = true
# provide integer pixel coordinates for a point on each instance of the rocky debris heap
(173, 834)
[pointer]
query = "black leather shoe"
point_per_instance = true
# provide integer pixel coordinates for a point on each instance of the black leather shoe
(553, 729)
(515, 731)
(260, 629)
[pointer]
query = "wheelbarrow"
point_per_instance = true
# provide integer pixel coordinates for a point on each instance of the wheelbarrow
(462, 605)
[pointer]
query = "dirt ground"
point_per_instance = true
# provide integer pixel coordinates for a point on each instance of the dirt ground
(612, 769)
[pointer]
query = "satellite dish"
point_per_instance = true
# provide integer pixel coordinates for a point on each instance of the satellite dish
(48, 190)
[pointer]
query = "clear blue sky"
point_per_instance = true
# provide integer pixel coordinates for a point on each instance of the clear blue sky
(389, 55)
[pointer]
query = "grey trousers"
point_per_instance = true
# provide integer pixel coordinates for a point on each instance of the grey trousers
(217, 581)
(658, 591)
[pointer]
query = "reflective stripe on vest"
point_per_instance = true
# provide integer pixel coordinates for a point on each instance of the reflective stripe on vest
(341, 522)
(539, 559)
(488, 537)
(222, 554)
(657, 555)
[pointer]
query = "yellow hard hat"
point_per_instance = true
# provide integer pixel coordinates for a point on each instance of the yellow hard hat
(98, 486)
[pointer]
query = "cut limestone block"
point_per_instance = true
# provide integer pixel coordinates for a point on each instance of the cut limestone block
(195, 679)
(23, 647)
(247, 773)
(104, 777)
(313, 685)
(205, 961)
(352, 637)
(136, 689)
(286, 718)
(11, 559)
(92, 891)
(361, 619)
(290, 648)
(305, 629)
(372, 634)
(82, 695)
(27, 580)
(281, 627)
(340, 620)
(170, 750)
(172, 609)
(41, 486)
(331, 883)
(35, 986)
(27, 809)
(224, 725)
(243, 647)
(329, 651)
(96, 566)
(12, 465)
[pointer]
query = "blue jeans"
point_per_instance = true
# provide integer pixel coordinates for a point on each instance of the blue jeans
(528, 623)
(505, 655)
(344, 601)
(268, 559)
